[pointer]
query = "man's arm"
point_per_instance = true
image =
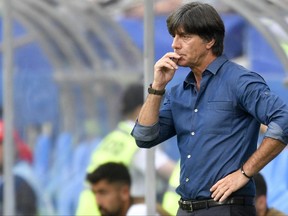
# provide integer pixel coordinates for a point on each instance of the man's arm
(164, 70)
(147, 128)
(266, 152)
(256, 98)
(150, 110)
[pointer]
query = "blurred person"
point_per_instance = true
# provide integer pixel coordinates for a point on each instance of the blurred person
(261, 204)
(110, 183)
(23, 149)
(25, 184)
(170, 197)
(120, 146)
(215, 113)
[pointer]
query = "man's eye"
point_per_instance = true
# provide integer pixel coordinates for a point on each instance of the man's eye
(186, 36)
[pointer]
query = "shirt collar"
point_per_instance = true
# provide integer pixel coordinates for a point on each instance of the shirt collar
(213, 67)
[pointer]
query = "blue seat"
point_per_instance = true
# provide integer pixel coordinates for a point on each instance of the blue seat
(235, 26)
(67, 199)
(262, 57)
(42, 155)
(59, 172)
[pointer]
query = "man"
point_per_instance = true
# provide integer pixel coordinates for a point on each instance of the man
(215, 113)
(261, 198)
(110, 183)
(119, 146)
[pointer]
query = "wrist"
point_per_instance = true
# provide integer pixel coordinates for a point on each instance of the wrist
(244, 173)
(156, 91)
(157, 86)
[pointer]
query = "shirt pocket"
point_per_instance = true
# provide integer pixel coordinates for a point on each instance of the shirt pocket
(219, 117)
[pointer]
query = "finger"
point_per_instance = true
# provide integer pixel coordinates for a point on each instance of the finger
(222, 194)
(216, 185)
(168, 64)
(175, 60)
(213, 188)
(219, 188)
(215, 195)
(172, 55)
(218, 193)
(172, 60)
(225, 195)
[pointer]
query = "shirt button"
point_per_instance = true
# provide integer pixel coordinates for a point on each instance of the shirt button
(193, 133)
(187, 179)
(189, 156)
(195, 110)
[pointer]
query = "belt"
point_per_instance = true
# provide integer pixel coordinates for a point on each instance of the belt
(190, 206)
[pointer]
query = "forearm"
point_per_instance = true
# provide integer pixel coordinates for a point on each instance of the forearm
(266, 152)
(149, 113)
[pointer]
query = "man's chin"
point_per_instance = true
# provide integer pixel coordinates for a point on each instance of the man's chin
(104, 212)
(182, 64)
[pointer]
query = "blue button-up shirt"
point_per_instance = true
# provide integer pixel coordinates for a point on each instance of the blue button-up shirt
(217, 127)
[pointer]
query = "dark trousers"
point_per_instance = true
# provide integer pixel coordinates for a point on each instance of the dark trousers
(225, 210)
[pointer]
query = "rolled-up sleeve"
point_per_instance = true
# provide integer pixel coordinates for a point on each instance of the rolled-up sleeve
(146, 136)
(276, 132)
(145, 133)
(277, 115)
(149, 136)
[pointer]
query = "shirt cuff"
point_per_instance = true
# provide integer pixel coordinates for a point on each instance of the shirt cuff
(145, 133)
(275, 131)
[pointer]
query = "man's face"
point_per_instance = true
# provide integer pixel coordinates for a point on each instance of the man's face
(261, 205)
(111, 198)
(191, 48)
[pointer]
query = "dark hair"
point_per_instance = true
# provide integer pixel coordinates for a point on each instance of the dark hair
(112, 172)
(132, 98)
(261, 186)
(199, 19)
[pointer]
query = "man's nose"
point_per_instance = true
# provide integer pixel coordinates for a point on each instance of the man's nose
(98, 199)
(175, 44)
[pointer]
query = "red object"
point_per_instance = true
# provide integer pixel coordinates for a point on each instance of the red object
(23, 150)
(1, 131)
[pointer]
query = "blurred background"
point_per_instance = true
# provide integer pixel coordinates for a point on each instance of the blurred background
(72, 60)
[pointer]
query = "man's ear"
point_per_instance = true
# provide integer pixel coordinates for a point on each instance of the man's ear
(210, 43)
(125, 192)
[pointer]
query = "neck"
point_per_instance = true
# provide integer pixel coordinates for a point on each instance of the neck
(126, 207)
(199, 70)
